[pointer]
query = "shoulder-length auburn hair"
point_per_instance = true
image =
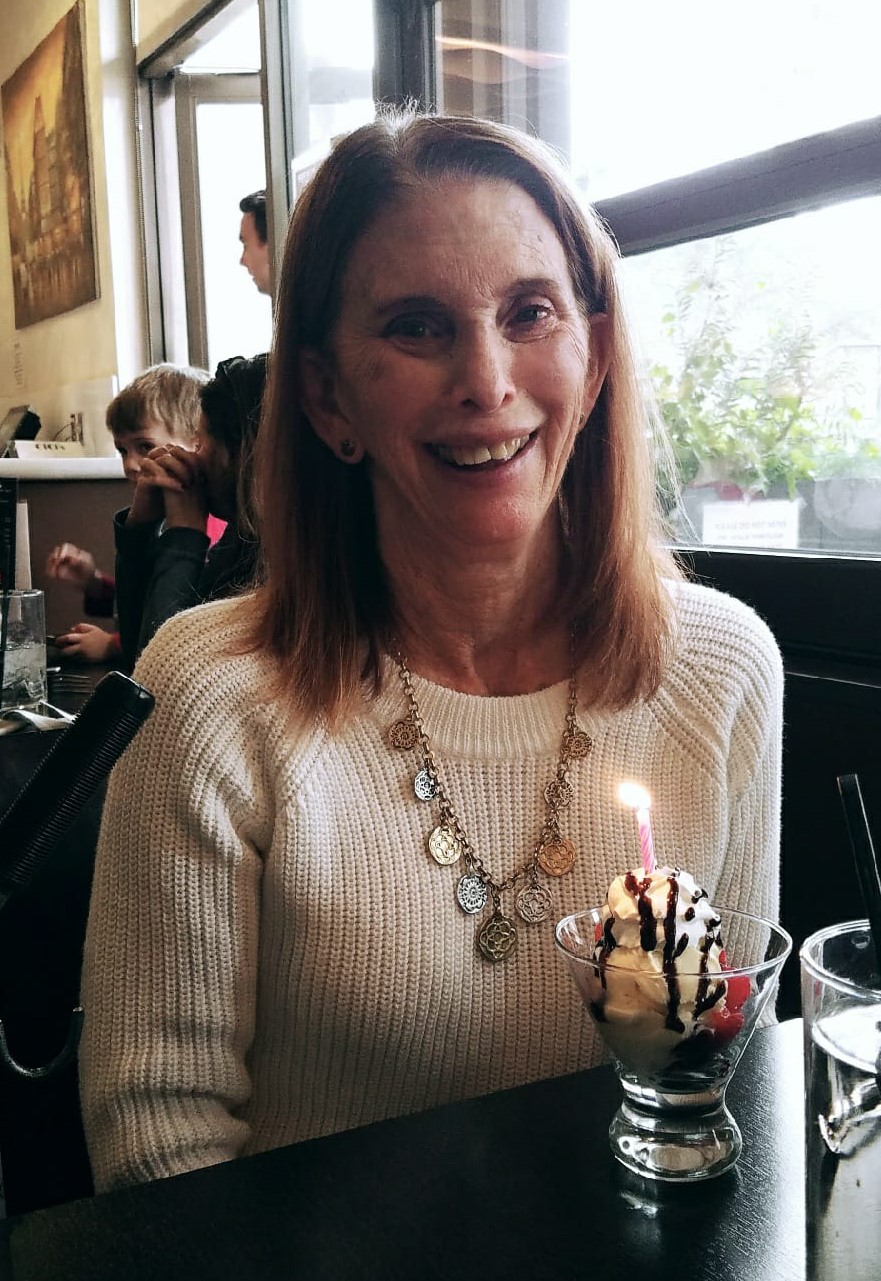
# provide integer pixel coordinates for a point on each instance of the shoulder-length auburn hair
(325, 594)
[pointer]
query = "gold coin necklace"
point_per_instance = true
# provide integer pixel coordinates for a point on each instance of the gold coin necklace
(477, 890)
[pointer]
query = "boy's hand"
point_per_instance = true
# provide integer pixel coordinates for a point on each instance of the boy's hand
(71, 564)
(88, 642)
(172, 475)
(147, 506)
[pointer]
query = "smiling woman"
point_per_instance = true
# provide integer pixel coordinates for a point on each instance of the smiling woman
(387, 771)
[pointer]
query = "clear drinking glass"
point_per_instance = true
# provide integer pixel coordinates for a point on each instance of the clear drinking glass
(675, 1042)
(24, 665)
(841, 1004)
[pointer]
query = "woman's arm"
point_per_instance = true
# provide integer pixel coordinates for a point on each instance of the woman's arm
(135, 553)
(751, 875)
(171, 478)
(175, 579)
(169, 973)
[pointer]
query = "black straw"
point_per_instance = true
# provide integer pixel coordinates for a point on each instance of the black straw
(863, 854)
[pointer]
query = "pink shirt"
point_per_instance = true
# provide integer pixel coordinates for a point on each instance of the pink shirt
(214, 529)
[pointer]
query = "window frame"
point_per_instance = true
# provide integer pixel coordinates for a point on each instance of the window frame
(177, 328)
(811, 173)
(190, 91)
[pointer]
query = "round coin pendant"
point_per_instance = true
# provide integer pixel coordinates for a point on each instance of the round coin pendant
(497, 938)
(402, 736)
(424, 786)
(558, 793)
(443, 846)
(557, 857)
(580, 745)
(471, 893)
(534, 903)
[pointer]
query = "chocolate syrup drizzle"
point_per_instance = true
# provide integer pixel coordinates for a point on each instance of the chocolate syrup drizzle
(707, 995)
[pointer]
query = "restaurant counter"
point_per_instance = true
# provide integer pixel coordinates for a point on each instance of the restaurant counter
(516, 1185)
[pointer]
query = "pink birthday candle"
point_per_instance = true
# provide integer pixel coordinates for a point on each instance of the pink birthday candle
(639, 800)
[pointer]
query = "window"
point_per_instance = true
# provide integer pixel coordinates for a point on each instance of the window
(764, 347)
(684, 87)
(737, 162)
(333, 46)
(213, 135)
(507, 62)
(207, 115)
(229, 165)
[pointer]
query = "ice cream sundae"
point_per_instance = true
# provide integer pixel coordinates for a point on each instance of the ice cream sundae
(659, 979)
(673, 1009)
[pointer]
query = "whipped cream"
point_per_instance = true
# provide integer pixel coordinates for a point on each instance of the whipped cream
(659, 951)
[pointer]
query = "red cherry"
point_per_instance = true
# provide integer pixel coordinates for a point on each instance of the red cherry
(739, 990)
(598, 931)
(724, 1023)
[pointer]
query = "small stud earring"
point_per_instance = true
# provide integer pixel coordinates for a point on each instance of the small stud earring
(348, 448)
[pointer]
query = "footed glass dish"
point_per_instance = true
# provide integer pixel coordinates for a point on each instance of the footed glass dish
(675, 1040)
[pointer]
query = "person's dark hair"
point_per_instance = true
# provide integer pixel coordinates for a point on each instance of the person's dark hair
(326, 591)
(231, 401)
(231, 404)
(255, 204)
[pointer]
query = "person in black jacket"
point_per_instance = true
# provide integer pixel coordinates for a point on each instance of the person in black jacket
(163, 560)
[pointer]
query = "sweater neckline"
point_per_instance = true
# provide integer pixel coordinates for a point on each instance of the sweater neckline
(471, 726)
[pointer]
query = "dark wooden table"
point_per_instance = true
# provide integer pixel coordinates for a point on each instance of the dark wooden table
(516, 1185)
(70, 682)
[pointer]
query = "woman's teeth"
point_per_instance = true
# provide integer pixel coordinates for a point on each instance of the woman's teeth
(499, 453)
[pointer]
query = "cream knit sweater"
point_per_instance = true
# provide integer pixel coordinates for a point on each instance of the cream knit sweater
(271, 952)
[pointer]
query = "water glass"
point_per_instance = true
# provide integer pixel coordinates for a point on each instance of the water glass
(24, 665)
(841, 1004)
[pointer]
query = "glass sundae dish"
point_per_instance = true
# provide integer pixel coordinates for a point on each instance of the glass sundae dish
(676, 988)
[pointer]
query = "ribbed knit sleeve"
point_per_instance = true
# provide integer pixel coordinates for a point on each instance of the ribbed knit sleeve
(751, 878)
(171, 948)
(728, 682)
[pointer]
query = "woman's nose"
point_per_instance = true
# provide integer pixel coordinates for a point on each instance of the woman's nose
(482, 369)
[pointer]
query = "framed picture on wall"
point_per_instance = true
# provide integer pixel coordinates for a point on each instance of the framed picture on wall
(49, 178)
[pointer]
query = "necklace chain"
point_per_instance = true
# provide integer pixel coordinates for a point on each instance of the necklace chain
(448, 842)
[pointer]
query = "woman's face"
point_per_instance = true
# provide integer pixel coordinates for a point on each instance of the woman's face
(462, 365)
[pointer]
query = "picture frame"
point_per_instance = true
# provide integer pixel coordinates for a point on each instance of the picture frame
(49, 177)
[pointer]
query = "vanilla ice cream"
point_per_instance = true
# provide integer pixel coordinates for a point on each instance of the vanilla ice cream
(659, 965)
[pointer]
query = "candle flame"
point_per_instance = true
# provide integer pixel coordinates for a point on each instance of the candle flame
(635, 796)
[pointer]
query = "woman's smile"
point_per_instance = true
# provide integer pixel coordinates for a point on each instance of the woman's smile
(483, 457)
